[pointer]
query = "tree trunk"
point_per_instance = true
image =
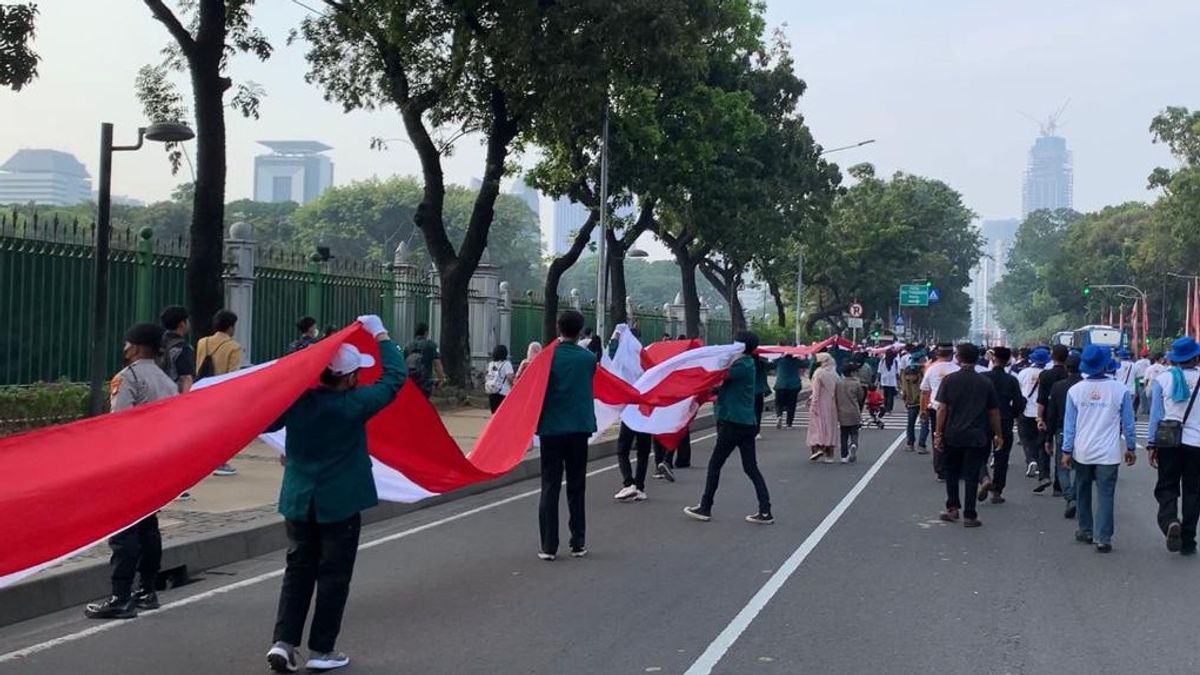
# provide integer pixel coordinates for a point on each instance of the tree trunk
(616, 280)
(723, 284)
(205, 265)
(780, 308)
(559, 267)
(691, 296)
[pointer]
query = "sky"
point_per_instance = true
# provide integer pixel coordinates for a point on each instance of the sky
(940, 85)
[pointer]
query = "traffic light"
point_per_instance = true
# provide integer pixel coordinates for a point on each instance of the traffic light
(1087, 290)
(928, 283)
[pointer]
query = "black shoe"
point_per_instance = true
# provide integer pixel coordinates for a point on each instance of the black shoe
(1188, 550)
(666, 472)
(1042, 486)
(1057, 492)
(112, 608)
(1103, 548)
(1083, 537)
(760, 518)
(578, 551)
(1174, 537)
(145, 599)
(1070, 512)
(697, 513)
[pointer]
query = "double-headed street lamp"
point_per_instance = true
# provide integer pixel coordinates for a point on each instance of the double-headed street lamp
(163, 132)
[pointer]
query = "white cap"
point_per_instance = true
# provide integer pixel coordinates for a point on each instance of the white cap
(348, 359)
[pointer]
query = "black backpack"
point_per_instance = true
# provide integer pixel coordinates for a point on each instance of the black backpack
(173, 345)
(415, 363)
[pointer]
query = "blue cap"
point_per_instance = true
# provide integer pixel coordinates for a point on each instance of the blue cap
(1183, 350)
(1040, 356)
(1094, 360)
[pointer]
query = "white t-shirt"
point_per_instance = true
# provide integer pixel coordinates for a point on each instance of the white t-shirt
(1139, 369)
(1151, 374)
(887, 376)
(903, 360)
(499, 374)
(1126, 375)
(932, 381)
(1098, 405)
(1027, 379)
(1175, 410)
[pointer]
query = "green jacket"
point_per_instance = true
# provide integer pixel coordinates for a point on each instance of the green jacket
(761, 386)
(569, 407)
(328, 471)
(787, 373)
(735, 398)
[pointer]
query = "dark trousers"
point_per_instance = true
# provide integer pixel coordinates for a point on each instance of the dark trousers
(760, 401)
(320, 556)
(135, 550)
(569, 452)
(1028, 434)
(1045, 453)
(729, 437)
(939, 456)
(889, 398)
(910, 430)
(963, 464)
(849, 436)
(1000, 458)
(494, 401)
(785, 404)
(1179, 477)
(679, 458)
(625, 442)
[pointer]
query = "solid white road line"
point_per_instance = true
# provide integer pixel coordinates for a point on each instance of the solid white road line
(721, 644)
(221, 590)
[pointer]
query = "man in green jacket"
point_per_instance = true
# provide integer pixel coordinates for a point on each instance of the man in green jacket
(568, 420)
(787, 390)
(736, 428)
(327, 482)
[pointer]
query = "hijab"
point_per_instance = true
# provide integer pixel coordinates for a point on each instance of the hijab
(826, 372)
(534, 349)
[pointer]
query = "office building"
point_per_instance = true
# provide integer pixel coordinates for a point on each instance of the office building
(1049, 178)
(569, 216)
(998, 236)
(527, 194)
(295, 171)
(44, 177)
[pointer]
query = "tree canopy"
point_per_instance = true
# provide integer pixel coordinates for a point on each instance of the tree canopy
(18, 61)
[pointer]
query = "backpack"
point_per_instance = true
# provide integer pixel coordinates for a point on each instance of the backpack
(172, 346)
(415, 362)
(494, 383)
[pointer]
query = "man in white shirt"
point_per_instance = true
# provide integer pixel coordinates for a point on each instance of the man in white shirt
(1099, 416)
(1158, 366)
(1027, 426)
(936, 372)
(1127, 372)
(1172, 394)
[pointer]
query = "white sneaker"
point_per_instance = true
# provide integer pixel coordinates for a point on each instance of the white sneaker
(327, 661)
(778, 422)
(1032, 470)
(853, 452)
(626, 492)
(758, 437)
(546, 556)
(282, 658)
(845, 460)
(639, 496)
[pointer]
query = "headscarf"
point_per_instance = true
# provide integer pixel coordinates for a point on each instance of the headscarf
(826, 372)
(534, 348)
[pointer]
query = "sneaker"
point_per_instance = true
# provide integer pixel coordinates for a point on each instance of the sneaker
(112, 608)
(853, 452)
(997, 498)
(1174, 537)
(816, 454)
(145, 599)
(696, 513)
(1043, 485)
(658, 475)
(639, 496)
(1057, 492)
(282, 658)
(1070, 511)
(542, 555)
(1083, 537)
(1031, 470)
(666, 472)
(971, 522)
(922, 450)
(184, 497)
(778, 422)
(758, 437)
(760, 519)
(845, 459)
(909, 448)
(949, 515)
(225, 469)
(625, 493)
(1187, 550)
(984, 488)
(578, 552)
(327, 661)
(1103, 548)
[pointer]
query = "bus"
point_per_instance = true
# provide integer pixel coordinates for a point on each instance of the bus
(1105, 336)
(1065, 337)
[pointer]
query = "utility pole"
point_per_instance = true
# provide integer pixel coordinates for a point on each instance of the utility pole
(602, 247)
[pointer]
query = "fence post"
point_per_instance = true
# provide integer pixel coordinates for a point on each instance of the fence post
(404, 304)
(576, 300)
(145, 274)
(312, 303)
(505, 335)
(388, 296)
(484, 312)
(435, 304)
(240, 249)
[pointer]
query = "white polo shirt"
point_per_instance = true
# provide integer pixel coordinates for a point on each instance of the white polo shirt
(932, 381)
(1126, 375)
(1098, 407)
(1027, 379)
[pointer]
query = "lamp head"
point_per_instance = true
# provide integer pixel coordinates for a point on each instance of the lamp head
(169, 132)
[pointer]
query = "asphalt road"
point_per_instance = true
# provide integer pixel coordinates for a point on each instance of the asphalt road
(857, 576)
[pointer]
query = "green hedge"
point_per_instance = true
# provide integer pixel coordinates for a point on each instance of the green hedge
(24, 407)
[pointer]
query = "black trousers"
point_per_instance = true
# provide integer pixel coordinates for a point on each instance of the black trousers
(494, 401)
(1000, 458)
(679, 458)
(320, 556)
(563, 452)
(849, 436)
(939, 456)
(1029, 436)
(760, 401)
(625, 442)
(785, 404)
(889, 398)
(963, 464)
(135, 550)
(731, 436)
(1179, 478)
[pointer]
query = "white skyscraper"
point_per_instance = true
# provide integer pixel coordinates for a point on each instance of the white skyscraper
(569, 216)
(295, 171)
(44, 177)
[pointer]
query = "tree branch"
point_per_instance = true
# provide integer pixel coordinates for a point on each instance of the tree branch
(187, 44)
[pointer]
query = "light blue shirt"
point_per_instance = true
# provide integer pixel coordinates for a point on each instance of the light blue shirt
(1073, 424)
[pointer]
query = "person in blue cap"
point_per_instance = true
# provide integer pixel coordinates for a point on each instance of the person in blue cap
(1099, 416)
(1027, 423)
(1172, 397)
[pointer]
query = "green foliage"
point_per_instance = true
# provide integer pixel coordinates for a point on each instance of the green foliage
(27, 407)
(18, 61)
(651, 283)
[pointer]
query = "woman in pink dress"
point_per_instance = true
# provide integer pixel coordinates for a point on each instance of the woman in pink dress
(822, 411)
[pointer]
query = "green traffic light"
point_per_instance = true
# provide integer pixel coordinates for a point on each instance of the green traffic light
(928, 283)
(1087, 290)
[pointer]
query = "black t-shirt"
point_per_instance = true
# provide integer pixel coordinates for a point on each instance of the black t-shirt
(970, 396)
(1047, 380)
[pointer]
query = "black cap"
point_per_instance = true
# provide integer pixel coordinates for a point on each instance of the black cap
(145, 334)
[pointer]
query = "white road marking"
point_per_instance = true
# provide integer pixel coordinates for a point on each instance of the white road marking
(720, 645)
(221, 590)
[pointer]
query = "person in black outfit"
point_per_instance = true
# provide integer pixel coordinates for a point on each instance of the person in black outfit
(969, 406)
(1056, 412)
(1011, 402)
(633, 483)
(1046, 381)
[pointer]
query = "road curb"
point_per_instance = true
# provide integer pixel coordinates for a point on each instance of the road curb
(72, 587)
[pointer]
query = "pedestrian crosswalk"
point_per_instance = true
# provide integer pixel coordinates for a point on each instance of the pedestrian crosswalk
(898, 419)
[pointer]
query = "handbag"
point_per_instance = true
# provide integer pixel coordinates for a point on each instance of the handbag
(1169, 434)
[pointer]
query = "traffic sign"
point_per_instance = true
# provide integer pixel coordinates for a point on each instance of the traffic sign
(854, 322)
(856, 310)
(900, 321)
(914, 295)
(934, 296)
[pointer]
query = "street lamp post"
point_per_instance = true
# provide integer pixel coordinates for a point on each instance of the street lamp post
(167, 132)
(602, 247)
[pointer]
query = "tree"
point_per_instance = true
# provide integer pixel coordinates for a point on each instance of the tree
(215, 30)
(18, 61)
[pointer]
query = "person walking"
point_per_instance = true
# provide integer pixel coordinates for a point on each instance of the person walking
(930, 384)
(498, 381)
(787, 389)
(531, 351)
(1055, 416)
(1176, 456)
(327, 483)
(1045, 442)
(1027, 423)
(219, 354)
(177, 358)
(423, 361)
(889, 379)
(307, 327)
(136, 550)
(567, 421)
(736, 430)
(1099, 413)
(1011, 405)
(910, 392)
(822, 409)
(968, 427)
(1156, 367)
(849, 397)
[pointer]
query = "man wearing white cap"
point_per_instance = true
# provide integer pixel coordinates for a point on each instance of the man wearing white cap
(327, 482)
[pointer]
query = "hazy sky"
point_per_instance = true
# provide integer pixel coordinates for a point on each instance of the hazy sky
(939, 83)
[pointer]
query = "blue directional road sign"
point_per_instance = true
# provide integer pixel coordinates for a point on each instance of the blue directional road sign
(899, 324)
(934, 296)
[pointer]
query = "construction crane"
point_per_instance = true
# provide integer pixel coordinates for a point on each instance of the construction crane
(1049, 126)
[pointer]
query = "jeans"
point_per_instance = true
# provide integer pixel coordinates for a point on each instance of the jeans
(679, 458)
(926, 424)
(1000, 458)
(939, 456)
(135, 550)
(1179, 477)
(1105, 478)
(911, 429)
(559, 452)
(963, 464)
(730, 436)
(889, 398)
(625, 441)
(1062, 474)
(319, 555)
(760, 402)
(849, 437)
(1028, 432)
(785, 404)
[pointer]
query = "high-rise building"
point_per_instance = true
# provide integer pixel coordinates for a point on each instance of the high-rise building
(569, 216)
(527, 194)
(44, 177)
(998, 236)
(1049, 178)
(295, 171)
